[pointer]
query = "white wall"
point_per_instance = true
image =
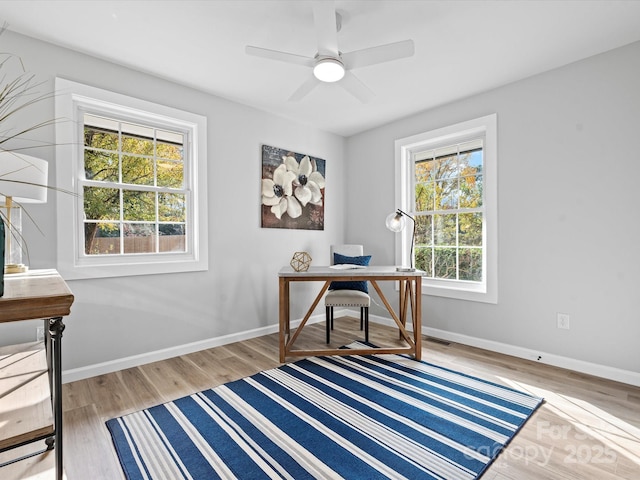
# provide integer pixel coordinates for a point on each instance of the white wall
(569, 169)
(124, 317)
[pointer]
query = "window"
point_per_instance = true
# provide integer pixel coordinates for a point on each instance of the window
(135, 201)
(447, 181)
(136, 174)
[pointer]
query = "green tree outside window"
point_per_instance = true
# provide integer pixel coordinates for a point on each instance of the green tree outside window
(448, 201)
(134, 200)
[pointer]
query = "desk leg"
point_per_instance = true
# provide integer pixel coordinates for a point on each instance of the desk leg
(402, 305)
(56, 327)
(406, 301)
(417, 317)
(284, 321)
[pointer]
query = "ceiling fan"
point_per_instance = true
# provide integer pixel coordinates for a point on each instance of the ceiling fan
(330, 64)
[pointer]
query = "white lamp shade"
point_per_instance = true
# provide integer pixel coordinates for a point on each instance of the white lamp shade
(23, 177)
(395, 222)
(328, 70)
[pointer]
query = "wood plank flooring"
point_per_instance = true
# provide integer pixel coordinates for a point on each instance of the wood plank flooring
(588, 428)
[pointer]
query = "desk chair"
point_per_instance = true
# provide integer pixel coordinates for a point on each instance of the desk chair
(348, 294)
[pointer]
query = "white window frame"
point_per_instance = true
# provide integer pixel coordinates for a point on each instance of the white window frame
(71, 102)
(405, 148)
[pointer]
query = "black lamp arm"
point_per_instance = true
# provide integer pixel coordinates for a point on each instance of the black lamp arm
(413, 236)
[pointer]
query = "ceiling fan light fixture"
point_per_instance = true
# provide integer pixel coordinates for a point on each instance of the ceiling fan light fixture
(328, 70)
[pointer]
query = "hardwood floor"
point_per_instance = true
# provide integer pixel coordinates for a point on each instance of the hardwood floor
(588, 428)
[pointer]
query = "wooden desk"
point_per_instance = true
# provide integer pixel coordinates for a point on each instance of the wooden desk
(410, 296)
(39, 294)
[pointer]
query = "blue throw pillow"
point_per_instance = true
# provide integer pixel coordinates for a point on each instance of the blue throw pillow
(363, 261)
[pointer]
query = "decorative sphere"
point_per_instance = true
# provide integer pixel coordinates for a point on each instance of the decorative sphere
(300, 261)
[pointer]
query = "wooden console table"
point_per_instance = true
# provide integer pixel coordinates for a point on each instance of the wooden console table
(31, 400)
(410, 296)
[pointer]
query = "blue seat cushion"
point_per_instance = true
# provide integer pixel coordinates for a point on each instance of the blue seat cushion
(363, 261)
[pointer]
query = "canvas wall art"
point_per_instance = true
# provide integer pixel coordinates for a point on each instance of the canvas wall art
(292, 190)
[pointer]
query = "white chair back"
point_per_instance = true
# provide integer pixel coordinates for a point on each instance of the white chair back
(346, 250)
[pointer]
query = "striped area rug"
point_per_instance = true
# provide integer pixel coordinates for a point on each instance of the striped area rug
(352, 417)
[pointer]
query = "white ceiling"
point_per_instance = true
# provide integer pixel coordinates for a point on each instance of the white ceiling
(461, 47)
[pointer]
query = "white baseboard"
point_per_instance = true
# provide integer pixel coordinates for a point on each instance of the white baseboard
(81, 373)
(604, 371)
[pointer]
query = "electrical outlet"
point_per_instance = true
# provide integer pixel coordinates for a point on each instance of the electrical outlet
(563, 321)
(40, 334)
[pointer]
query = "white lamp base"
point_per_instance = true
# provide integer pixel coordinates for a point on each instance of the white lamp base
(405, 269)
(15, 268)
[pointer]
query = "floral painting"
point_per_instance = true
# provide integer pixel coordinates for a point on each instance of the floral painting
(292, 190)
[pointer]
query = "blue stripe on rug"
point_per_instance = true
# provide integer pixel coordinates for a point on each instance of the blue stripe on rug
(401, 416)
(353, 417)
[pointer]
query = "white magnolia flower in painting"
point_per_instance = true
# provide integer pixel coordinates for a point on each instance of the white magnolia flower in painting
(308, 180)
(277, 193)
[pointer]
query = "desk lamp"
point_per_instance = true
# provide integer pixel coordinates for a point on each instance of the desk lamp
(396, 223)
(23, 179)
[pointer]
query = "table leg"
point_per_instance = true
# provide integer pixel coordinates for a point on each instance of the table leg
(284, 316)
(292, 338)
(417, 317)
(56, 327)
(403, 331)
(402, 305)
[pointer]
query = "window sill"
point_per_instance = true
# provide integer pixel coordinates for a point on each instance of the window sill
(461, 291)
(135, 266)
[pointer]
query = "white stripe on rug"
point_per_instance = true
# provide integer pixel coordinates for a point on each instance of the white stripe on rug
(482, 430)
(389, 439)
(312, 422)
(430, 371)
(299, 453)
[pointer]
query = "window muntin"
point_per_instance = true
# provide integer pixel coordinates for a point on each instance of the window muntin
(449, 213)
(133, 188)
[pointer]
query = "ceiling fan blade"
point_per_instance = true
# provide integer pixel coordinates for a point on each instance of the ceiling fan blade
(280, 56)
(379, 54)
(324, 17)
(355, 87)
(304, 89)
